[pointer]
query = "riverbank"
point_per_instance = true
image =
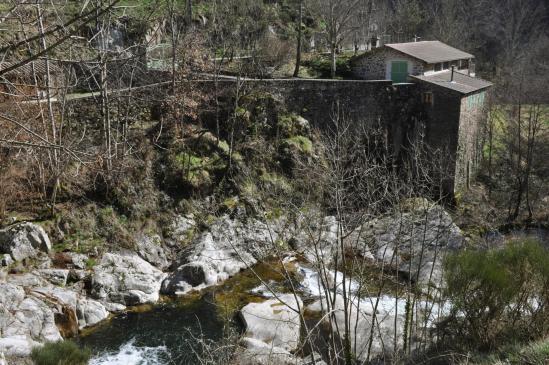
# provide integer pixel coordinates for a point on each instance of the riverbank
(62, 293)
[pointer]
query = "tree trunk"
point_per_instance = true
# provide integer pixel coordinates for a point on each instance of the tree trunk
(333, 60)
(298, 50)
(189, 13)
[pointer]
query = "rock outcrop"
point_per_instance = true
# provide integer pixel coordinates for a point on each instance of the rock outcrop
(275, 321)
(24, 321)
(388, 322)
(24, 240)
(228, 247)
(413, 242)
(127, 279)
(150, 248)
(257, 352)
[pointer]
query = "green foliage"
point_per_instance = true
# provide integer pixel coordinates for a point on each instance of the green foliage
(90, 263)
(320, 66)
(499, 295)
(197, 164)
(301, 144)
(60, 353)
(290, 125)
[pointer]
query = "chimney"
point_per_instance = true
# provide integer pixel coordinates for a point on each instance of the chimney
(452, 75)
(374, 42)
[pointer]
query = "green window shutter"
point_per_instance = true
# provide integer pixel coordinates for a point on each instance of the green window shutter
(399, 71)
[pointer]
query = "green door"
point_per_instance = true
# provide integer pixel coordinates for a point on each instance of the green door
(399, 71)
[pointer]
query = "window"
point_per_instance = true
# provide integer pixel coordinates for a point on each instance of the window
(438, 67)
(427, 98)
(445, 65)
(464, 64)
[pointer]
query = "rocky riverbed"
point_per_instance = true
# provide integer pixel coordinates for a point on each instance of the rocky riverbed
(48, 296)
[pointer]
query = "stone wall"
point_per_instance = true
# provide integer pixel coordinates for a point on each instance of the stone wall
(442, 128)
(450, 125)
(375, 64)
(319, 101)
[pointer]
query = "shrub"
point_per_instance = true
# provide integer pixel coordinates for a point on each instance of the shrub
(60, 353)
(321, 66)
(499, 295)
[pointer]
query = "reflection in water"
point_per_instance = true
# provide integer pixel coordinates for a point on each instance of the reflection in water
(164, 335)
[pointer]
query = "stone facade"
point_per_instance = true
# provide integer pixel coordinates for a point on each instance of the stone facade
(454, 123)
(376, 65)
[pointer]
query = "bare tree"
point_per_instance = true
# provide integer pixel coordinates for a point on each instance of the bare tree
(335, 16)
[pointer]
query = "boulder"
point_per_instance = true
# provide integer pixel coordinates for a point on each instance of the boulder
(29, 279)
(25, 316)
(275, 321)
(54, 276)
(361, 316)
(228, 247)
(180, 230)
(257, 352)
(313, 359)
(90, 312)
(413, 242)
(17, 346)
(151, 250)
(6, 260)
(70, 260)
(323, 231)
(127, 279)
(24, 240)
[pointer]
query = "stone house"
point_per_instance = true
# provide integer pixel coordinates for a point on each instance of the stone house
(455, 106)
(452, 99)
(397, 61)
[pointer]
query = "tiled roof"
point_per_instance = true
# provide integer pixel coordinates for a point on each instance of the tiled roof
(430, 51)
(462, 83)
(25, 70)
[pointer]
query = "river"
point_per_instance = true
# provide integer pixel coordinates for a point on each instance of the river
(164, 334)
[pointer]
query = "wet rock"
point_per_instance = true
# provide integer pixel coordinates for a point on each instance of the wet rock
(127, 279)
(151, 250)
(186, 277)
(275, 321)
(228, 247)
(24, 240)
(90, 312)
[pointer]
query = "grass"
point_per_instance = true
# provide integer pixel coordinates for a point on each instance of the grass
(301, 143)
(533, 353)
(60, 353)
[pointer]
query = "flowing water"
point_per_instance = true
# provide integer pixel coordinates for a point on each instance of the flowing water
(166, 334)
